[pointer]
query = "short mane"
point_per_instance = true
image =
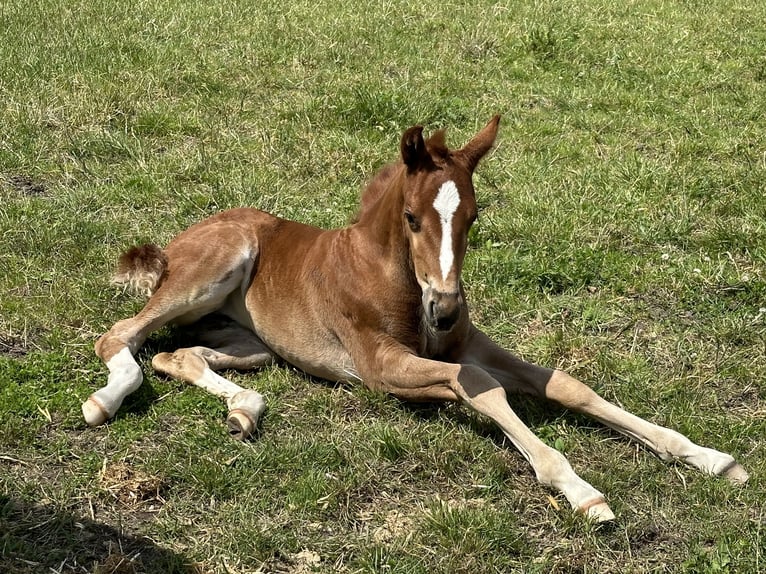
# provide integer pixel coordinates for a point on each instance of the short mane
(375, 189)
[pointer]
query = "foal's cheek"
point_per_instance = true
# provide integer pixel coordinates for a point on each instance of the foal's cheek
(460, 251)
(415, 246)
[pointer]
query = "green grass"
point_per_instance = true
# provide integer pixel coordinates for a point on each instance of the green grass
(622, 237)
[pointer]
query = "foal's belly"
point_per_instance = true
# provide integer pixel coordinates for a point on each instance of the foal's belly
(315, 353)
(329, 364)
(303, 344)
(286, 301)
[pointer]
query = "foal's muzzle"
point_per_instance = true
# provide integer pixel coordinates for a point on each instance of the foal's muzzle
(442, 309)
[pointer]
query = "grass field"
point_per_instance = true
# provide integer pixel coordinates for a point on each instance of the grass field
(622, 237)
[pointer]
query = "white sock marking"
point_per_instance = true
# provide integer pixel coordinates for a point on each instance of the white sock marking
(124, 378)
(236, 397)
(215, 384)
(446, 203)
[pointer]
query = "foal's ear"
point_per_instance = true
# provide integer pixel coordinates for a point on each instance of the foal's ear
(480, 144)
(414, 153)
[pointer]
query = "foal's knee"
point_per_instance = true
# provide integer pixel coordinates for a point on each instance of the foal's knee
(184, 364)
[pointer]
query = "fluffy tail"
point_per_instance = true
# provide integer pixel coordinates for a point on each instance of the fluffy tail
(142, 269)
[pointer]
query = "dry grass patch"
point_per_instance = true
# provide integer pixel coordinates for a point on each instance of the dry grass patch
(133, 488)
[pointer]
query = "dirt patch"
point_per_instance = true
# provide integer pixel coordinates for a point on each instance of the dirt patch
(746, 402)
(17, 343)
(384, 525)
(395, 525)
(306, 561)
(118, 563)
(25, 185)
(12, 346)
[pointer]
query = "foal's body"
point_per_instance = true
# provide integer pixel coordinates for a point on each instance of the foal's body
(379, 301)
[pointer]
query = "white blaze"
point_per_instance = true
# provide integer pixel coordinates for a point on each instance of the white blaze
(446, 203)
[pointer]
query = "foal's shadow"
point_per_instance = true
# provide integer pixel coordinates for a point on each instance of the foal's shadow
(533, 411)
(36, 538)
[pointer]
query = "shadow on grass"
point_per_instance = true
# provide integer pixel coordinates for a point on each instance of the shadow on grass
(533, 411)
(36, 538)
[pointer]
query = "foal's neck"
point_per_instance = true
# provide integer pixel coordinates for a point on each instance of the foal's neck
(380, 216)
(376, 188)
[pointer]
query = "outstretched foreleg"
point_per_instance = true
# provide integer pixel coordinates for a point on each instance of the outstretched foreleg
(519, 376)
(414, 378)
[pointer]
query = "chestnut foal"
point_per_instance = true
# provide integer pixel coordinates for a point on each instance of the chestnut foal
(380, 301)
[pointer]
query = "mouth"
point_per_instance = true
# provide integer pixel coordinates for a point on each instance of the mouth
(442, 325)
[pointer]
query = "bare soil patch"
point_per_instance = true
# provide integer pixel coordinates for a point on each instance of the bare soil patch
(25, 185)
(131, 486)
(12, 346)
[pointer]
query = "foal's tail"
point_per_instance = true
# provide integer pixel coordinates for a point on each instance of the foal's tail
(142, 269)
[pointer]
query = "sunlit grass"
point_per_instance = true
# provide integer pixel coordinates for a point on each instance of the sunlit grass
(622, 236)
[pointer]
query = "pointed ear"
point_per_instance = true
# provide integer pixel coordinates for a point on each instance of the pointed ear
(481, 143)
(414, 153)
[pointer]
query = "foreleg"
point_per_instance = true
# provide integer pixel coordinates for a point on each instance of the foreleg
(516, 375)
(196, 365)
(421, 379)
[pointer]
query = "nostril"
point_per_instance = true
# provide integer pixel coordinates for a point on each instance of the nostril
(432, 309)
(445, 318)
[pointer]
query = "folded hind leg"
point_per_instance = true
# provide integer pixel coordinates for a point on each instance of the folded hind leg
(193, 288)
(235, 348)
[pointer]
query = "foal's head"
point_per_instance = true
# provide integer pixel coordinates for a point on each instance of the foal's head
(439, 208)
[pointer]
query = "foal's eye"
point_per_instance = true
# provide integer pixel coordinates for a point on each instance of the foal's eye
(412, 221)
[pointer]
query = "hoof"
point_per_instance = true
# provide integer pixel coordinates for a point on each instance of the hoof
(246, 408)
(241, 425)
(598, 511)
(736, 474)
(94, 412)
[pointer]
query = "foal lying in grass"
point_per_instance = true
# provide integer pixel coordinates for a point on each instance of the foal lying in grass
(380, 301)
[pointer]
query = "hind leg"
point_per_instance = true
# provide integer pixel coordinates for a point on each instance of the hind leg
(235, 348)
(116, 348)
(187, 294)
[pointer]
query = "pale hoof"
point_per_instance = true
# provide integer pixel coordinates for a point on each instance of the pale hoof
(598, 511)
(736, 474)
(246, 408)
(241, 425)
(94, 412)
